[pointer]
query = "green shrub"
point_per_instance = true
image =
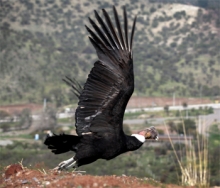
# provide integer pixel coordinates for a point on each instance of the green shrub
(152, 9)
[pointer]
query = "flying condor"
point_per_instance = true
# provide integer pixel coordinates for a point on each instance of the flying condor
(103, 99)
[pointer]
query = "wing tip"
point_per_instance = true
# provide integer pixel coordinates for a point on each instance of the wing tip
(112, 36)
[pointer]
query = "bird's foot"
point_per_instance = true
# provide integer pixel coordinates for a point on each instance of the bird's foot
(64, 165)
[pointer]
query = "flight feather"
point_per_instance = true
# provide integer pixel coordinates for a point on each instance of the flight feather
(110, 84)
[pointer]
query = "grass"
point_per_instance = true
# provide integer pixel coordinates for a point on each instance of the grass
(133, 115)
(13, 137)
(27, 136)
(66, 120)
(172, 113)
(194, 162)
(9, 124)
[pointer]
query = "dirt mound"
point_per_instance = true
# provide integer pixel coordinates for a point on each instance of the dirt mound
(18, 176)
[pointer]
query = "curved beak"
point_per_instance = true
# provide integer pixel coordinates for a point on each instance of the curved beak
(150, 133)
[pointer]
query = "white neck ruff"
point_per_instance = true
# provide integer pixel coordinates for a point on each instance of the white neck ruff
(141, 138)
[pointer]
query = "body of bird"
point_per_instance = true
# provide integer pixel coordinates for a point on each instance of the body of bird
(103, 99)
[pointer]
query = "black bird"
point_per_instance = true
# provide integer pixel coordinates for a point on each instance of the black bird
(103, 99)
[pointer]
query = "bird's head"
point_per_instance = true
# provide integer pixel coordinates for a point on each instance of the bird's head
(150, 133)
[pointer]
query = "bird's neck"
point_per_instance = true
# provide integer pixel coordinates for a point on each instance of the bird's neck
(134, 142)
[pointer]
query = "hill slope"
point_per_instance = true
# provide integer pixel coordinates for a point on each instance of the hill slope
(176, 48)
(16, 175)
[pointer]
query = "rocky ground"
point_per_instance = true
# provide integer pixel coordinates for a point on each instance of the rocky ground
(16, 175)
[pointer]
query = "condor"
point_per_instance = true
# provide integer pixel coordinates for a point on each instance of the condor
(103, 99)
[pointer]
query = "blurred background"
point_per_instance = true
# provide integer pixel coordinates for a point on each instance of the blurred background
(177, 84)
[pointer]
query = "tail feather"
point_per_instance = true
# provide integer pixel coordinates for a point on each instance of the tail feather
(61, 143)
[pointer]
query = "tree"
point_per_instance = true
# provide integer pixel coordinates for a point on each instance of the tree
(184, 104)
(190, 127)
(4, 114)
(25, 118)
(166, 109)
(214, 148)
(203, 3)
(152, 9)
(5, 126)
(172, 126)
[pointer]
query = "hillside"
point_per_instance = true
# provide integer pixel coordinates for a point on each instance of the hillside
(176, 48)
(18, 176)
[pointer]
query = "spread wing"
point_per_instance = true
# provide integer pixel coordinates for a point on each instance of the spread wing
(110, 84)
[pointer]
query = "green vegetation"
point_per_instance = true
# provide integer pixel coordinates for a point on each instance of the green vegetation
(24, 120)
(158, 162)
(66, 120)
(6, 126)
(50, 122)
(133, 115)
(43, 42)
(152, 161)
(213, 146)
(168, 113)
(194, 160)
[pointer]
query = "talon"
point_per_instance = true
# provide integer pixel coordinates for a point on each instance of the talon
(64, 165)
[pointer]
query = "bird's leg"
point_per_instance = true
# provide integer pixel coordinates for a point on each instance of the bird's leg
(64, 165)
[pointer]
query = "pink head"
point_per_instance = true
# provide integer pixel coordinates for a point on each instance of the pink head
(149, 133)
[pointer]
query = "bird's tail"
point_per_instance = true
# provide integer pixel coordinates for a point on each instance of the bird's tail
(61, 143)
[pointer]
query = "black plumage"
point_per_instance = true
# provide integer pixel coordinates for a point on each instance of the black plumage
(103, 99)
